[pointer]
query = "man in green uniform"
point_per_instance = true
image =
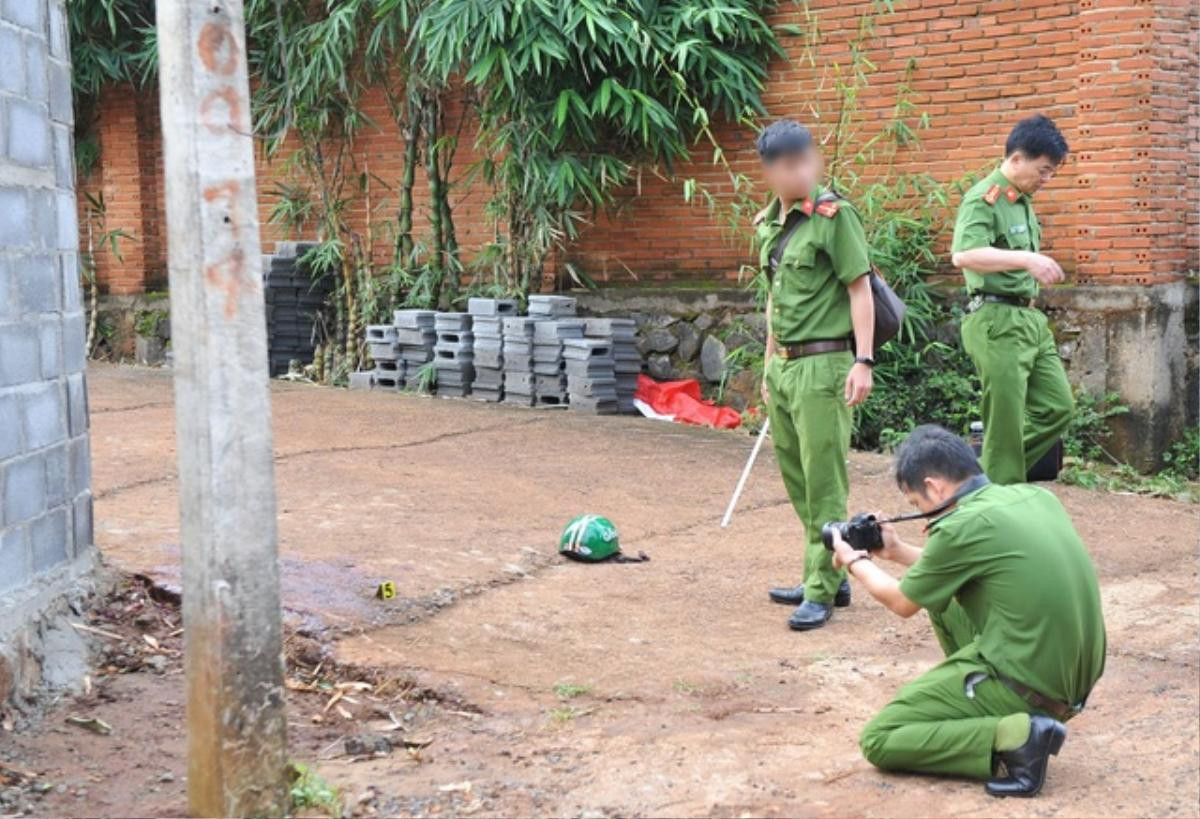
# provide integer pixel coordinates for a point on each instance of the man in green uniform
(820, 323)
(1026, 398)
(1014, 601)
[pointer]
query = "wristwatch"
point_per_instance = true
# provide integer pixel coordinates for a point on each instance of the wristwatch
(865, 359)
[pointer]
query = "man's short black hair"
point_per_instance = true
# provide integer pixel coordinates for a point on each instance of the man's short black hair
(1037, 136)
(781, 138)
(931, 451)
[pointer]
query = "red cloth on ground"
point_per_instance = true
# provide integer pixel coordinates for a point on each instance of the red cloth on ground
(682, 399)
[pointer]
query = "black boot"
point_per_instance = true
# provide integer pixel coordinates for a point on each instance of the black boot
(810, 615)
(794, 595)
(1026, 766)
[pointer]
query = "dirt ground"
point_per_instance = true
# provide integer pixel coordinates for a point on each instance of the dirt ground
(670, 688)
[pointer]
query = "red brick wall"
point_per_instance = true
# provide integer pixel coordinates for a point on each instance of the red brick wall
(1118, 77)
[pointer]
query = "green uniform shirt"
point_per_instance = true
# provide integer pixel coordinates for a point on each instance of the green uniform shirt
(995, 214)
(1012, 559)
(827, 252)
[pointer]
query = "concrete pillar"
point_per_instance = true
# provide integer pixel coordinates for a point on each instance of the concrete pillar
(1139, 342)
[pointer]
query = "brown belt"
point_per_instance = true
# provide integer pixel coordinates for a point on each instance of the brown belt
(789, 351)
(1055, 708)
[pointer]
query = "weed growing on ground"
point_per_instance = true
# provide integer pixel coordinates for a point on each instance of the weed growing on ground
(684, 687)
(569, 691)
(564, 714)
(309, 790)
(1090, 465)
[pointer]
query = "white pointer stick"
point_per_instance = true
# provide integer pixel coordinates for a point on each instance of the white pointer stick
(737, 493)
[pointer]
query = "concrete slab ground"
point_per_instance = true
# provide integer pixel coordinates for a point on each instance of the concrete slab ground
(666, 688)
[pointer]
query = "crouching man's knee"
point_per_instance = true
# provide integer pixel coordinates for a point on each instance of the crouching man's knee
(872, 742)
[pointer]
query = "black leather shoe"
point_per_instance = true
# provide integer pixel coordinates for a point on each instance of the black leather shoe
(1026, 766)
(810, 615)
(794, 595)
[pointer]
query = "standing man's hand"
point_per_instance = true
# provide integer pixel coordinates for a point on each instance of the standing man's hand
(859, 382)
(1044, 269)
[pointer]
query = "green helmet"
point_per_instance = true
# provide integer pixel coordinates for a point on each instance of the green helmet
(589, 537)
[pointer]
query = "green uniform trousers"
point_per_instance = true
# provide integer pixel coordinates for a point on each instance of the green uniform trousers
(810, 428)
(1027, 400)
(932, 726)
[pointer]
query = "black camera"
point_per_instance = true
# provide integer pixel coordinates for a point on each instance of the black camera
(862, 532)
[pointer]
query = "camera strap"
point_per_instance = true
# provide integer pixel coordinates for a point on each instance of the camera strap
(970, 485)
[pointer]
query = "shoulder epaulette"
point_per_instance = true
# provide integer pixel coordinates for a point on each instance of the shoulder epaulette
(828, 209)
(993, 193)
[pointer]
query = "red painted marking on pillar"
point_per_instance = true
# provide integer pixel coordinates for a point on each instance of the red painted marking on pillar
(233, 105)
(228, 273)
(227, 190)
(215, 39)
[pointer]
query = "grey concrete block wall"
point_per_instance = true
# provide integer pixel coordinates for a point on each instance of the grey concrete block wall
(45, 464)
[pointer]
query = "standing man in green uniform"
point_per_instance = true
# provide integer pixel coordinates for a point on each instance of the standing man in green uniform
(820, 323)
(1026, 398)
(1014, 601)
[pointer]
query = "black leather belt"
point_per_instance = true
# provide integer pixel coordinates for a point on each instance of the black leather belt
(1059, 710)
(807, 348)
(979, 299)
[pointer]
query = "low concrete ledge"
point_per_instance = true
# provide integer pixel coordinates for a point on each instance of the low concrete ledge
(40, 653)
(665, 300)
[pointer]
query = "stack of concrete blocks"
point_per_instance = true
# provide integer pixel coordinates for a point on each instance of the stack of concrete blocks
(294, 299)
(551, 307)
(454, 354)
(389, 367)
(627, 361)
(415, 340)
(591, 379)
(45, 470)
(487, 317)
(549, 367)
(518, 361)
(362, 380)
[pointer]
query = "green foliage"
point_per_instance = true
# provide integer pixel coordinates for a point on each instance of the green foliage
(425, 378)
(309, 790)
(147, 322)
(1182, 459)
(1091, 466)
(112, 43)
(569, 691)
(934, 383)
(1125, 479)
(98, 237)
(576, 99)
(748, 356)
(1085, 436)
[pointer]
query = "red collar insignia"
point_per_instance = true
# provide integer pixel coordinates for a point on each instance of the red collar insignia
(1011, 193)
(992, 195)
(806, 207)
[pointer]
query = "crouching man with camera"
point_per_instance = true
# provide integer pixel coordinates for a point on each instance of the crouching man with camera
(1014, 601)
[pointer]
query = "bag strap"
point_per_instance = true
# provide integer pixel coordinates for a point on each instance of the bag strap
(790, 226)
